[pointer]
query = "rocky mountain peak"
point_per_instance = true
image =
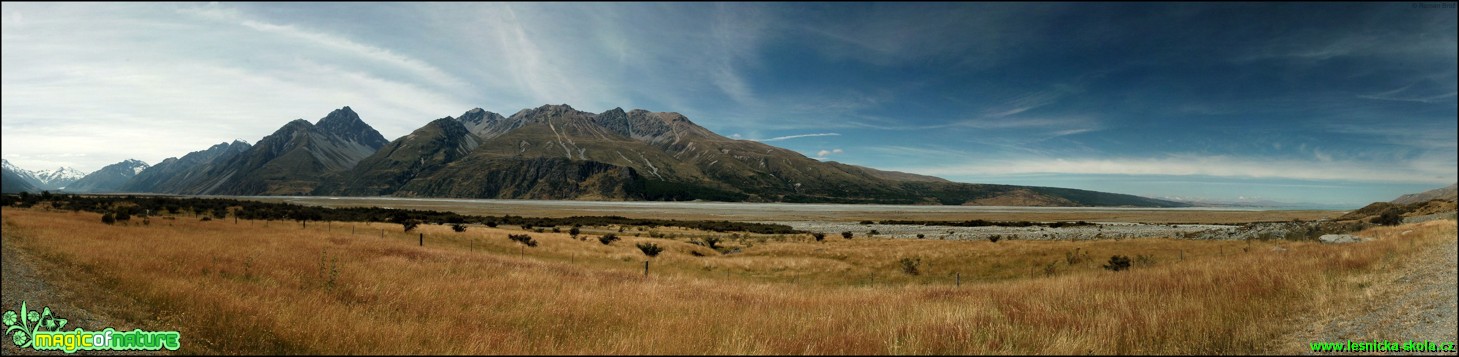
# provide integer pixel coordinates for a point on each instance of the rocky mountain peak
(344, 123)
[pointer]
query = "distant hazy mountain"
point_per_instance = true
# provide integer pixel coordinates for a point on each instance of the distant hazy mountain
(557, 152)
(12, 179)
(291, 161)
(1448, 193)
(109, 178)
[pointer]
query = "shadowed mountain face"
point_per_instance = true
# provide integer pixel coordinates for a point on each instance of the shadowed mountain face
(420, 154)
(110, 178)
(12, 181)
(557, 152)
(177, 174)
(291, 161)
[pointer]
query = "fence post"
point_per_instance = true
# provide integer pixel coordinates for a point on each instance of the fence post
(422, 239)
(958, 277)
(645, 269)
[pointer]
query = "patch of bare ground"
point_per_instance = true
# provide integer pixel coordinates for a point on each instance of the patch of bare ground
(1414, 298)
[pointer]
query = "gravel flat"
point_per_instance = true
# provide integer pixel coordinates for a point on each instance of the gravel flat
(1420, 303)
(1101, 230)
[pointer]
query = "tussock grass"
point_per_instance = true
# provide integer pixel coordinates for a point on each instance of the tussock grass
(246, 288)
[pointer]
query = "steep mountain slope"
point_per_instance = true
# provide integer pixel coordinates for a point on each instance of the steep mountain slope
(292, 160)
(21, 175)
(11, 181)
(174, 174)
(108, 179)
(421, 153)
(555, 151)
(1448, 193)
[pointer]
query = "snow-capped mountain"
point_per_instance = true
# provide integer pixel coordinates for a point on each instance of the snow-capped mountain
(23, 174)
(46, 179)
(109, 178)
(58, 178)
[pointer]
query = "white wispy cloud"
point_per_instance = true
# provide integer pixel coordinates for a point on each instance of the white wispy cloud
(1403, 94)
(1218, 166)
(415, 66)
(82, 82)
(826, 153)
(788, 137)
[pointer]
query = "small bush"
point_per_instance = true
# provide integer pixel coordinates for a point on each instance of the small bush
(920, 236)
(909, 265)
(1117, 263)
(872, 233)
(1388, 218)
(458, 227)
(1145, 260)
(866, 222)
(712, 242)
(123, 216)
(846, 235)
(607, 239)
(650, 249)
(491, 224)
(819, 236)
(574, 232)
(205, 219)
(1075, 256)
(108, 219)
(523, 238)
(409, 225)
(994, 238)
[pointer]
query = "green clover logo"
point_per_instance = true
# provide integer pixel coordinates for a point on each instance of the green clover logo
(23, 324)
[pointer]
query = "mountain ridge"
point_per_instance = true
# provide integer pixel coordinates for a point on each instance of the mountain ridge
(1447, 193)
(554, 151)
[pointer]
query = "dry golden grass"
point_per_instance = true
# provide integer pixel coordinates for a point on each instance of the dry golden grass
(247, 288)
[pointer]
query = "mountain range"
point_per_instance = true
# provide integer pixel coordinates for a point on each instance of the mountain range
(46, 179)
(1447, 193)
(556, 152)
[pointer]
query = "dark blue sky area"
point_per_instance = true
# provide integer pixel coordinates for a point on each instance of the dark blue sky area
(1342, 103)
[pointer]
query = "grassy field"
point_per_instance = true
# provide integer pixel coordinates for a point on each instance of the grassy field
(248, 287)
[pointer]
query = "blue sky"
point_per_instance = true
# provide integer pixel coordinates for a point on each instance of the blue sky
(1322, 103)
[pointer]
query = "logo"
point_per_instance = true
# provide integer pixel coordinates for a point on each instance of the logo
(43, 331)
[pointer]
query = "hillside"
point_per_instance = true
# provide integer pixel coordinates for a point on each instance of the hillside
(12, 182)
(110, 178)
(557, 152)
(1447, 193)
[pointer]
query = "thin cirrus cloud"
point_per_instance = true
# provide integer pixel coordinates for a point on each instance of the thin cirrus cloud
(1217, 166)
(798, 136)
(1109, 89)
(827, 153)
